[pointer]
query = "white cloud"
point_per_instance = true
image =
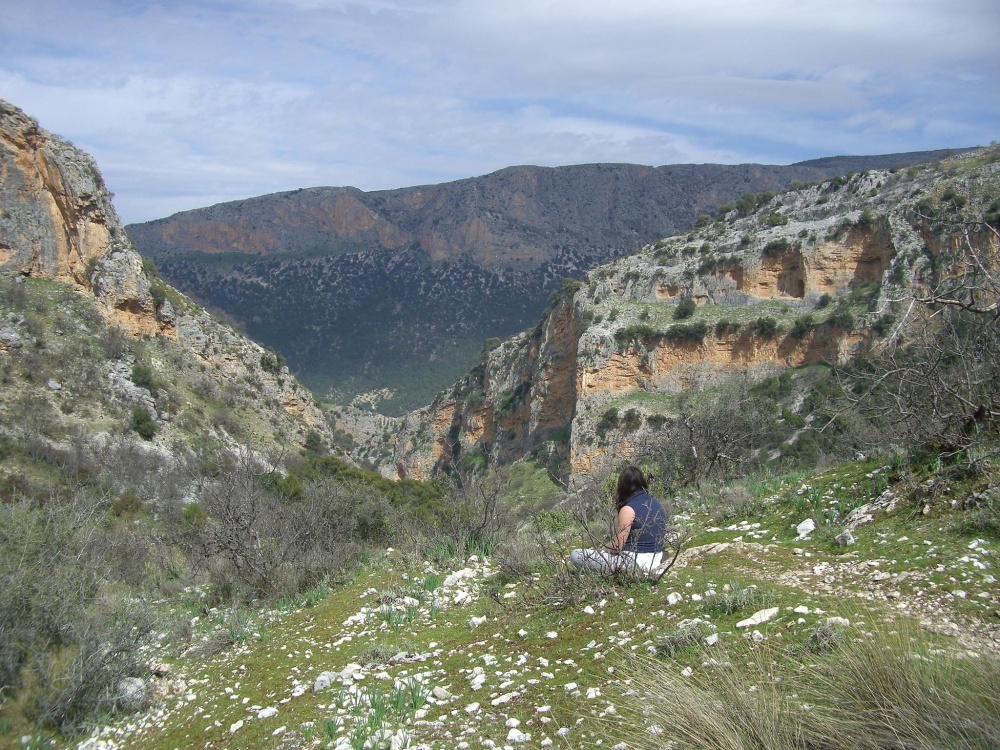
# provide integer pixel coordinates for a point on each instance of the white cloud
(194, 102)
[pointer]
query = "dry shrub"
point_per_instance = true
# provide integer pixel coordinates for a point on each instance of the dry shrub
(880, 690)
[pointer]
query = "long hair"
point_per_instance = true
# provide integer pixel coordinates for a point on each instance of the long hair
(630, 481)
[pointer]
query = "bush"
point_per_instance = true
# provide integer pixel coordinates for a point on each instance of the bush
(776, 247)
(685, 309)
(725, 327)
(632, 420)
(802, 327)
(142, 376)
(843, 319)
(272, 362)
(766, 327)
(68, 634)
(142, 423)
(690, 333)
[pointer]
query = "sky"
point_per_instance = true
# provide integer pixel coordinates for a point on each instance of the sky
(187, 104)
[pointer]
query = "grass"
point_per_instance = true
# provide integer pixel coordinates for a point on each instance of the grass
(573, 659)
(880, 688)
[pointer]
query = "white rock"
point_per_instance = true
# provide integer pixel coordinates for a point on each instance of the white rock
(441, 694)
(712, 639)
(801, 610)
(756, 636)
(674, 598)
(687, 672)
(512, 723)
(462, 597)
(552, 634)
(502, 699)
(267, 713)
(234, 728)
(475, 622)
(324, 681)
(517, 736)
(588, 610)
(570, 687)
(758, 618)
(593, 693)
(806, 528)
(472, 708)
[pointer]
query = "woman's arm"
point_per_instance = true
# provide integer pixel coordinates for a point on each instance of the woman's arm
(625, 518)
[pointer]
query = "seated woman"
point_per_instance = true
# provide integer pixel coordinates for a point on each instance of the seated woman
(640, 527)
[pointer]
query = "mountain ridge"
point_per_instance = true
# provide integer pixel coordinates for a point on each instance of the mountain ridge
(379, 261)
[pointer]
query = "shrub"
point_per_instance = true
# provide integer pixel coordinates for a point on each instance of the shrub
(685, 309)
(725, 327)
(636, 333)
(776, 219)
(776, 247)
(843, 319)
(632, 420)
(765, 327)
(272, 362)
(142, 376)
(802, 327)
(824, 301)
(689, 333)
(608, 421)
(142, 423)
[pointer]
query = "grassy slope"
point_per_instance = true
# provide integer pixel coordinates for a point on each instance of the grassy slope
(907, 563)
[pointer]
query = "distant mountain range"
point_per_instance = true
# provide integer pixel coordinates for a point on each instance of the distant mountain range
(387, 296)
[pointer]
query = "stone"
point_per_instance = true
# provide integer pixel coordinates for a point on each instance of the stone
(674, 598)
(267, 713)
(806, 528)
(516, 736)
(758, 618)
(235, 727)
(441, 694)
(324, 681)
(133, 694)
(845, 538)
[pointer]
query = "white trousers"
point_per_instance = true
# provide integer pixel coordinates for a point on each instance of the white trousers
(606, 562)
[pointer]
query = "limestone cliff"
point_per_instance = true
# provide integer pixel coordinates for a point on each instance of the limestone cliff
(58, 222)
(811, 275)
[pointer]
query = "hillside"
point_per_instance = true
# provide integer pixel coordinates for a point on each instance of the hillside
(423, 650)
(778, 285)
(390, 294)
(89, 334)
(184, 563)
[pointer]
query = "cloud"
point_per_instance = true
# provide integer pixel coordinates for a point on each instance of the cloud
(189, 103)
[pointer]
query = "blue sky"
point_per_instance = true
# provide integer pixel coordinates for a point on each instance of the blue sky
(186, 104)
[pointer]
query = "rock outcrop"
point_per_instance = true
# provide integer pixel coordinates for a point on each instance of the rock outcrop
(383, 283)
(805, 279)
(58, 222)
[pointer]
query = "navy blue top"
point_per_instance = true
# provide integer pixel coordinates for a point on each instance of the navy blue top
(650, 524)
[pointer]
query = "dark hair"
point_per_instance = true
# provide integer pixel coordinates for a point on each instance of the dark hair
(630, 481)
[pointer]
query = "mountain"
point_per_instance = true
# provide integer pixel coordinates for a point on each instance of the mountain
(808, 277)
(93, 343)
(385, 297)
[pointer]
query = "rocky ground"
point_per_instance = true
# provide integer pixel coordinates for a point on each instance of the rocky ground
(460, 654)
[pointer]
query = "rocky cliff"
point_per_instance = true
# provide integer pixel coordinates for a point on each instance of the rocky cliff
(395, 291)
(814, 275)
(58, 224)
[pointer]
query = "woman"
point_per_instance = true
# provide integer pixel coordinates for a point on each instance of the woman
(640, 527)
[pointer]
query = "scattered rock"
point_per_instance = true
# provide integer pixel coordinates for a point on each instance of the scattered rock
(845, 538)
(806, 528)
(758, 618)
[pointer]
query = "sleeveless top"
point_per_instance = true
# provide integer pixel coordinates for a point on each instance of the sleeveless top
(650, 524)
